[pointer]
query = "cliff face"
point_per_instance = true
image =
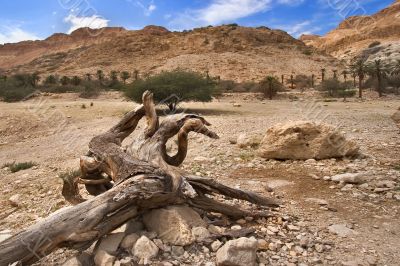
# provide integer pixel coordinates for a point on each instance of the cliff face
(357, 34)
(232, 52)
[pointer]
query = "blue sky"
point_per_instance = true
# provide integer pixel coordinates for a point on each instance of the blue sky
(28, 19)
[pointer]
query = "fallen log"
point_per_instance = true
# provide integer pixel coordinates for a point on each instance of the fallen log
(125, 184)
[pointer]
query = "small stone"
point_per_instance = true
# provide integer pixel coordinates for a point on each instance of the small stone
(110, 243)
(200, 233)
(129, 241)
(272, 229)
(262, 244)
(177, 251)
(15, 200)
(238, 252)
(319, 248)
(293, 227)
(216, 245)
(236, 227)
(102, 258)
(327, 178)
(144, 248)
(341, 230)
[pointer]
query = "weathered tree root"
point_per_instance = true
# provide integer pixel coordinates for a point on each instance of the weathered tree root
(127, 183)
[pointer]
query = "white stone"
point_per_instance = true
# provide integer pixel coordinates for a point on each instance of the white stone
(102, 258)
(341, 230)
(238, 252)
(174, 224)
(144, 248)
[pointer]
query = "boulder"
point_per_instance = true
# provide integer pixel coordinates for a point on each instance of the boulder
(350, 178)
(144, 248)
(174, 224)
(304, 140)
(239, 252)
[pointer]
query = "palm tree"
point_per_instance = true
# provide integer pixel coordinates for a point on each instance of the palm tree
(64, 80)
(323, 70)
(75, 80)
(312, 80)
(379, 70)
(124, 76)
(334, 74)
(354, 75)
(345, 73)
(88, 76)
(360, 68)
(291, 82)
(100, 75)
(114, 76)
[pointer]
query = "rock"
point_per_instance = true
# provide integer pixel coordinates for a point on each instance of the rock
(341, 230)
(174, 224)
(15, 200)
(244, 141)
(385, 184)
(102, 258)
(304, 140)
(216, 245)
(350, 178)
(318, 201)
(144, 248)
(200, 233)
(238, 252)
(237, 105)
(4, 235)
(262, 244)
(293, 227)
(129, 241)
(201, 159)
(110, 243)
(177, 251)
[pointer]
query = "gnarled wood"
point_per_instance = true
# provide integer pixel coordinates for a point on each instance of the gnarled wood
(127, 183)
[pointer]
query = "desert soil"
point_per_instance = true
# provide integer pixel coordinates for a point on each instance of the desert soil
(54, 132)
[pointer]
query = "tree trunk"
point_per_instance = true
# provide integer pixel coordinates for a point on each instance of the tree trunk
(142, 178)
(360, 81)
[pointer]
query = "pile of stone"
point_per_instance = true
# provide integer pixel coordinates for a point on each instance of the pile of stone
(177, 235)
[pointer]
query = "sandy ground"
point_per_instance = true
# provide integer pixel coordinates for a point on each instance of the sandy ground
(54, 132)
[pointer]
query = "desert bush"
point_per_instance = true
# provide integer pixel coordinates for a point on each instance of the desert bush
(302, 82)
(89, 90)
(394, 82)
(335, 88)
(16, 88)
(270, 86)
(69, 174)
(173, 87)
(15, 167)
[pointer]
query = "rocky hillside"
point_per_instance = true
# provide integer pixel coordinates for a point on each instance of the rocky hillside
(376, 36)
(230, 51)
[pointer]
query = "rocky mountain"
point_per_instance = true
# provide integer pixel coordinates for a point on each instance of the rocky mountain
(376, 36)
(229, 51)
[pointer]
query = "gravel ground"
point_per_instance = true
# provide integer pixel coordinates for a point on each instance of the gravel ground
(53, 133)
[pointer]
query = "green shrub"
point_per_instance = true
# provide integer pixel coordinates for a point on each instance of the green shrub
(90, 90)
(69, 174)
(16, 88)
(335, 88)
(170, 88)
(15, 167)
(270, 86)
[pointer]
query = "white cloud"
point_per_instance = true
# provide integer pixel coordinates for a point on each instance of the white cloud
(93, 22)
(300, 28)
(219, 11)
(291, 2)
(15, 34)
(147, 9)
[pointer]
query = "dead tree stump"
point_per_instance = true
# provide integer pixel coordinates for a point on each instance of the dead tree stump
(126, 183)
